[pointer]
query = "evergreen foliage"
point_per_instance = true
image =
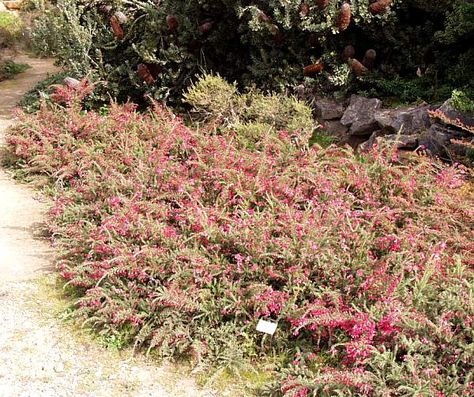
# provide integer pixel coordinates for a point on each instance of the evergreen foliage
(252, 115)
(158, 47)
(9, 69)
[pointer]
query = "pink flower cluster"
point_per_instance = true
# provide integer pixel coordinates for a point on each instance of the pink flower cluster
(165, 227)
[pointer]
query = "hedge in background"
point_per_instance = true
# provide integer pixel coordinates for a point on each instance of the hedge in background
(139, 46)
(180, 240)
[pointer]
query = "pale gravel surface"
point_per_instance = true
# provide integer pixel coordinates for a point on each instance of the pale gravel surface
(40, 356)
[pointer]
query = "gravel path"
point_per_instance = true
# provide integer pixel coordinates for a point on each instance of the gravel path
(40, 355)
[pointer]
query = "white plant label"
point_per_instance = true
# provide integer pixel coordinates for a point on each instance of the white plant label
(267, 327)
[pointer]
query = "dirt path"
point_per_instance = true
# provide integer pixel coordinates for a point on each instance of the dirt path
(40, 356)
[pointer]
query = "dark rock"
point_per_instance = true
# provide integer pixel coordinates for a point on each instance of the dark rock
(335, 128)
(326, 109)
(360, 115)
(354, 141)
(455, 117)
(406, 121)
(367, 144)
(436, 140)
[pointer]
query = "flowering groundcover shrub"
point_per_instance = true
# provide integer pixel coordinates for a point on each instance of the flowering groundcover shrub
(180, 241)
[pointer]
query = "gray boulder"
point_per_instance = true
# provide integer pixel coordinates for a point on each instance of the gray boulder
(436, 140)
(360, 115)
(405, 121)
(335, 128)
(326, 109)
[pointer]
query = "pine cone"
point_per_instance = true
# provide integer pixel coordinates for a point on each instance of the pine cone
(172, 22)
(304, 9)
(357, 67)
(274, 29)
(369, 59)
(145, 74)
(348, 52)
(344, 17)
(313, 69)
(380, 6)
(322, 4)
(118, 31)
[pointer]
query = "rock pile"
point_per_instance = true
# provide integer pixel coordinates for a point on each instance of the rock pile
(362, 122)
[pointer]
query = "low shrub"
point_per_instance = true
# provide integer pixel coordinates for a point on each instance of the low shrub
(463, 100)
(179, 241)
(9, 69)
(252, 115)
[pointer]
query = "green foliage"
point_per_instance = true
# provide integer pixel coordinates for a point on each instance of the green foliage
(321, 139)
(35, 5)
(10, 29)
(67, 36)
(459, 24)
(9, 69)
(463, 100)
(266, 44)
(252, 115)
(10, 22)
(212, 98)
(404, 90)
(159, 49)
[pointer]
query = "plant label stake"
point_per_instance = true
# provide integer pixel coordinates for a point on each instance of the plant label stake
(267, 327)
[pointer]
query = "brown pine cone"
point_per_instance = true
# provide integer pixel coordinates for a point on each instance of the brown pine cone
(357, 67)
(118, 31)
(380, 6)
(344, 17)
(205, 27)
(121, 17)
(262, 17)
(313, 69)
